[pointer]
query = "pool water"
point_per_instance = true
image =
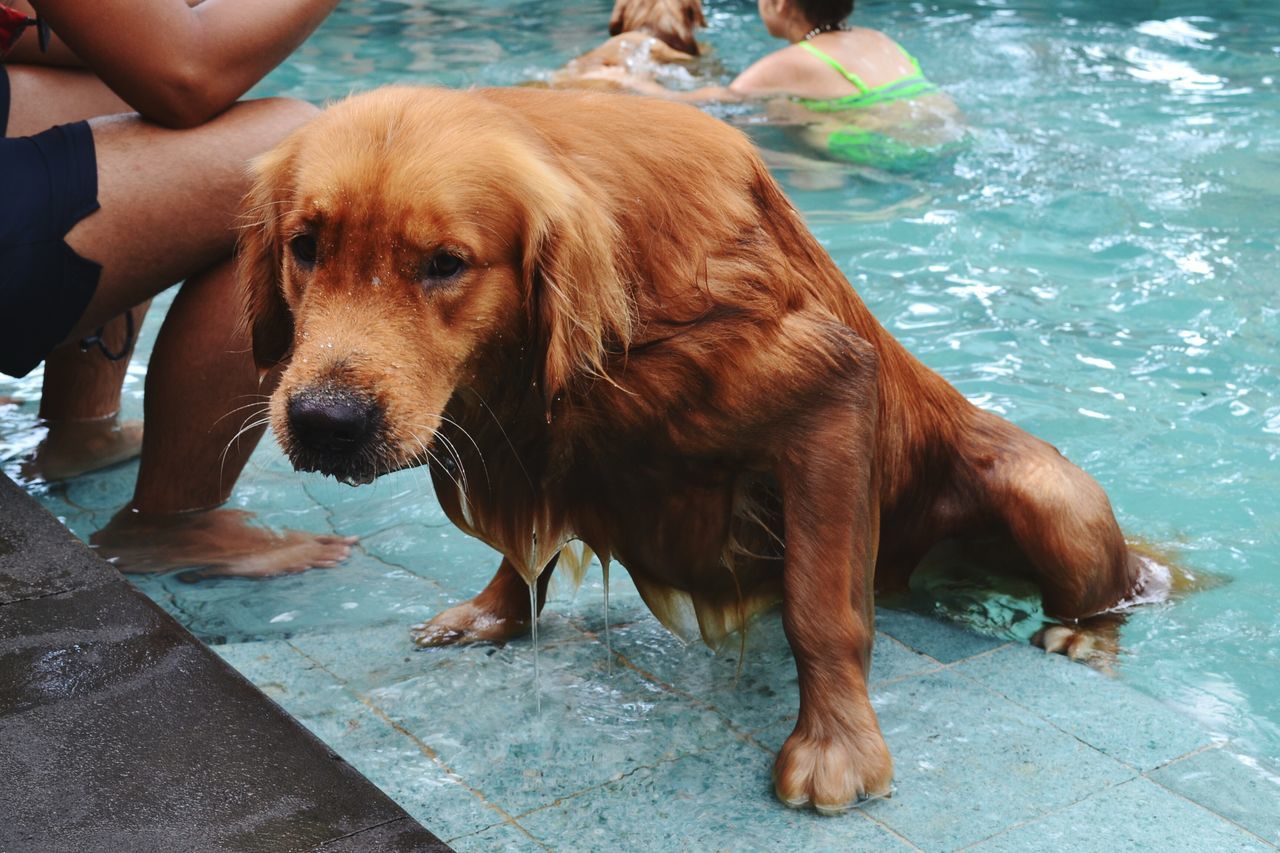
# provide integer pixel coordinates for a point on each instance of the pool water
(1100, 266)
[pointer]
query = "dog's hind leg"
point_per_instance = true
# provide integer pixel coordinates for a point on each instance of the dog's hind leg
(1062, 521)
(499, 613)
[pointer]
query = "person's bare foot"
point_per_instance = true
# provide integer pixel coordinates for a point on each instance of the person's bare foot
(72, 448)
(216, 542)
(9, 401)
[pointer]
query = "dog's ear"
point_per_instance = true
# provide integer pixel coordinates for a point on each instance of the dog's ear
(264, 316)
(576, 290)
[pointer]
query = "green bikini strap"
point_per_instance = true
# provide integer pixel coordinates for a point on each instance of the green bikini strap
(809, 48)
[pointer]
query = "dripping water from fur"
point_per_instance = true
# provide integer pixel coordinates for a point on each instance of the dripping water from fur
(533, 621)
(608, 646)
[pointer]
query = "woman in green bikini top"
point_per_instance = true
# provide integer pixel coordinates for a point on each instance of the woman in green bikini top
(913, 85)
(910, 145)
(893, 118)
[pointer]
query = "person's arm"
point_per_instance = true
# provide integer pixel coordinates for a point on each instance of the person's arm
(702, 94)
(770, 76)
(180, 65)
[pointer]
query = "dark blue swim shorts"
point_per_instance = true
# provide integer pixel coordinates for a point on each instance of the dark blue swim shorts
(48, 183)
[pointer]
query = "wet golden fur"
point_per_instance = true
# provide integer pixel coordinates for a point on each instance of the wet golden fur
(645, 351)
(645, 34)
(671, 21)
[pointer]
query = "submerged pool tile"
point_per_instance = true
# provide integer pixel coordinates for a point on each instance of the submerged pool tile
(382, 655)
(522, 745)
(935, 637)
(969, 763)
(1100, 710)
(354, 594)
(1135, 816)
(277, 669)
(393, 500)
(460, 564)
(766, 689)
(103, 491)
(719, 800)
(503, 838)
(1235, 786)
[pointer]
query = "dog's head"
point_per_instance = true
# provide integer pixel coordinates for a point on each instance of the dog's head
(671, 21)
(408, 243)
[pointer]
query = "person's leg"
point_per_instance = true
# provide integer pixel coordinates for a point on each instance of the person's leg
(80, 399)
(168, 204)
(204, 415)
(80, 407)
(41, 97)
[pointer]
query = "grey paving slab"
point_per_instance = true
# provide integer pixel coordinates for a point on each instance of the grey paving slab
(398, 836)
(969, 763)
(26, 530)
(1137, 815)
(1100, 710)
(119, 731)
(1238, 787)
(719, 800)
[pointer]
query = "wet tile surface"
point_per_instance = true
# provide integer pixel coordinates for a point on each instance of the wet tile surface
(969, 763)
(627, 737)
(1115, 719)
(1135, 816)
(717, 800)
(1240, 788)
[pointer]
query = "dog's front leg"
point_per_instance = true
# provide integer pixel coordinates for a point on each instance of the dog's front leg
(836, 755)
(499, 613)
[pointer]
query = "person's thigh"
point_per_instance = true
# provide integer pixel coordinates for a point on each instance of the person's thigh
(169, 199)
(41, 98)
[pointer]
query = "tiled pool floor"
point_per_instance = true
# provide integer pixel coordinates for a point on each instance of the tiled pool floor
(669, 747)
(997, 746)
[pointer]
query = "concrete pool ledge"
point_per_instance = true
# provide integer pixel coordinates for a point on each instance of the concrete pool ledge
(120, 731)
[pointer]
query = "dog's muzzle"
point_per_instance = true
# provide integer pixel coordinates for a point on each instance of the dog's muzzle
(335, 431)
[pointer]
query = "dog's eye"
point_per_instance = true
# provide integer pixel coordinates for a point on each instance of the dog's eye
(304, 250)
(443, 267)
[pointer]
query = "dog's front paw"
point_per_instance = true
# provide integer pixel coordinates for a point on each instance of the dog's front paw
(832, 773)
(467, 623)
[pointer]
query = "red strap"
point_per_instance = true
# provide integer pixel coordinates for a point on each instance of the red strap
(12, 23)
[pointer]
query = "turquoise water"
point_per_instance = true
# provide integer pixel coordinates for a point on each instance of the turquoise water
(1100, 266)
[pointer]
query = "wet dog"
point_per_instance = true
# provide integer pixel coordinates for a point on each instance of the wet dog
(646, 35)
(597, 318)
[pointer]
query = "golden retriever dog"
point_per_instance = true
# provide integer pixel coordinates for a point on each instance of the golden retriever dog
(671, 21)
(645, 34)
(597, 318)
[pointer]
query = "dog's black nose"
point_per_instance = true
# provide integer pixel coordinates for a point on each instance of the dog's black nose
(334, 423)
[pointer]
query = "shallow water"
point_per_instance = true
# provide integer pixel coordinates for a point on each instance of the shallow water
(1100, 266)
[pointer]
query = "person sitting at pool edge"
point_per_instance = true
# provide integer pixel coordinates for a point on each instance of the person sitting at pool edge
(854, 92)
(123, 153)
